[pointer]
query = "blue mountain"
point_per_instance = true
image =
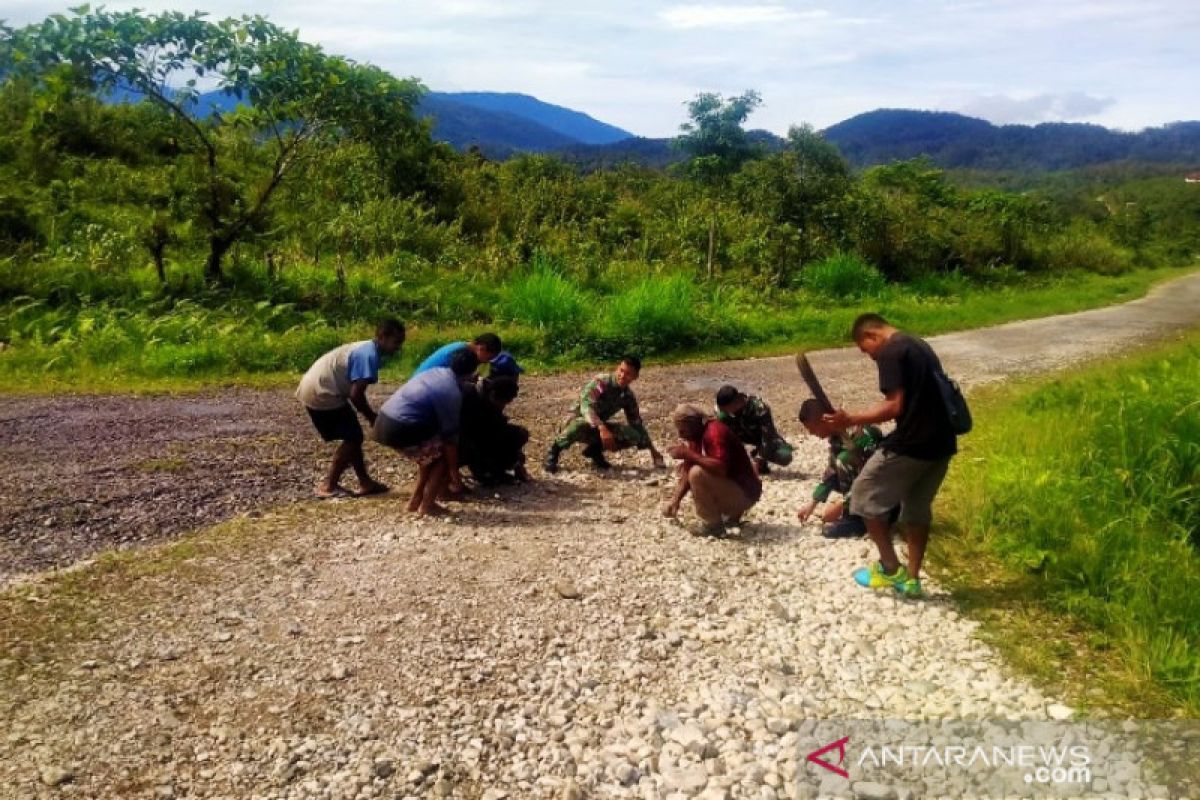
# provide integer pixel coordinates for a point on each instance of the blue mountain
(574, 125)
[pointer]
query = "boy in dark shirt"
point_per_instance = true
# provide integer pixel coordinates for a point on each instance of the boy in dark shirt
(848, 453)
(911, 464)
(491, 446)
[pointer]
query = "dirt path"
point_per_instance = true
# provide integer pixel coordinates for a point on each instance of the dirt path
(548, 643)
(84, 474)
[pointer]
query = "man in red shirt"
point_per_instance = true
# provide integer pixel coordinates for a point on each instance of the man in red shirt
(714, 468)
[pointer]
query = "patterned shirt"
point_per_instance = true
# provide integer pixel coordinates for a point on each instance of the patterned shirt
(753, 424)
(602, 398)
(847, 455)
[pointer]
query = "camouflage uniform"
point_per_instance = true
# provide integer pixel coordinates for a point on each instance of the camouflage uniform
(755, 427)
(847, 455)
(601, 399)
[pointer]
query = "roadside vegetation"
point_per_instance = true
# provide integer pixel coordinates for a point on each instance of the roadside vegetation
(1073, 527)
(153, 236)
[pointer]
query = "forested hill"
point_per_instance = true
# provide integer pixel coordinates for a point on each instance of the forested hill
(953, 141)
(957, 141)
(502, 124)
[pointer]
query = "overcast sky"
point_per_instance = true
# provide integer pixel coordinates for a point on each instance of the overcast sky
(1114, 62)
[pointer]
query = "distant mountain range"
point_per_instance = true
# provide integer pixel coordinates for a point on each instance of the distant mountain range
(502, 124)
(957, 141)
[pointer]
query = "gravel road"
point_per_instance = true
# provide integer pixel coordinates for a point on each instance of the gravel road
(556, 641)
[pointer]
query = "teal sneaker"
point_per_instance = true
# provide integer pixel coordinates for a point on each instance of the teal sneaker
(909, 589)
(873, 577)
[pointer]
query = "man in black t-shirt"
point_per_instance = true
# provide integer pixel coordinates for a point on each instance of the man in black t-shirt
(908, 468)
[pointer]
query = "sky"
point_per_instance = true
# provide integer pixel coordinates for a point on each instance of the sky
(1117, 63)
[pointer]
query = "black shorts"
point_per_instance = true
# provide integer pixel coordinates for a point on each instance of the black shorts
(401, 435)
(337, 424)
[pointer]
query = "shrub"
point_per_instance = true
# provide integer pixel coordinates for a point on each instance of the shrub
(544, 299)
(843, 275)
(1082, 247)
(655, 315)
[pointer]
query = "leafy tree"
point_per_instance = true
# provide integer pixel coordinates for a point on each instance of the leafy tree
(717, 146)
(294, 98)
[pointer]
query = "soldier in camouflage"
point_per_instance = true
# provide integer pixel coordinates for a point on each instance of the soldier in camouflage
(589, 423)
(848, 452)
(750, 418)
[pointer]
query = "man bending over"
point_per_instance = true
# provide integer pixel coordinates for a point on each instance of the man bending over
(334, 387)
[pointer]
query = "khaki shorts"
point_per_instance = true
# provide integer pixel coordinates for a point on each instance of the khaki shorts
(888, 480)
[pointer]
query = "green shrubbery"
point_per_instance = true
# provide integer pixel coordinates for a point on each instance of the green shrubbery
(1091, 483)
(843, 276)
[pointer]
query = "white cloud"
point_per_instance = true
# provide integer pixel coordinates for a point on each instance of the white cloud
(729, 16)
(1068, 106)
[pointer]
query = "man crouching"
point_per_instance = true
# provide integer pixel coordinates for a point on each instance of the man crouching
(715, 468)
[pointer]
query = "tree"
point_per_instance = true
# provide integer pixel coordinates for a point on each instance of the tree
(288, 96)
(718, 147)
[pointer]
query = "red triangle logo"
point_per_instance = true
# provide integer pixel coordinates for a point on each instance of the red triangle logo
(840, 746)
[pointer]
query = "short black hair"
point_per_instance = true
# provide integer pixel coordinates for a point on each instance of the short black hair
(502, 387)
(464, 362)
(726, 395)
(389, 326)
(865, 322)
(811, 410)
(490, 341)
(633, 361)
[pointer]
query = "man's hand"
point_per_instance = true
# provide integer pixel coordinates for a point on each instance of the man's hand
(840, 419)
(680, 452)
(671, 509)
(607, 439)
(806, 510)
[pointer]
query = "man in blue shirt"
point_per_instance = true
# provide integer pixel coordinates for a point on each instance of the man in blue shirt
(334, 386)
(486, 347)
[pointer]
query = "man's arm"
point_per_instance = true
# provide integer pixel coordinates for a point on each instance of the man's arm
(358, 399)
(682, 487)
(690, 456)
(885, 410)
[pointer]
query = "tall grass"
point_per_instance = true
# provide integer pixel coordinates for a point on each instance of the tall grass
(1089, 486)
(544, 299)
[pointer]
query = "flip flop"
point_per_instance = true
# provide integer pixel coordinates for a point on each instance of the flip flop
(336, 491)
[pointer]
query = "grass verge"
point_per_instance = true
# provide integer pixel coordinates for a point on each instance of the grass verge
(1072, 522)
(549, 322)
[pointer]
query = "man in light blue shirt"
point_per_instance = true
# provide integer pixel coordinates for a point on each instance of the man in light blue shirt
(487, 347)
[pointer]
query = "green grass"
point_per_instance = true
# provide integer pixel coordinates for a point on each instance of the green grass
(1073, 522)
(150, 342)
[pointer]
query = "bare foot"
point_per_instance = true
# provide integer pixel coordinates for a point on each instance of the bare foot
(372, 487)
(434, 510)
(414, 504)
(323, 491)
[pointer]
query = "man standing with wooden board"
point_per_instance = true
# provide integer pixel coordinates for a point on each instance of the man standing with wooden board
(911, 464)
